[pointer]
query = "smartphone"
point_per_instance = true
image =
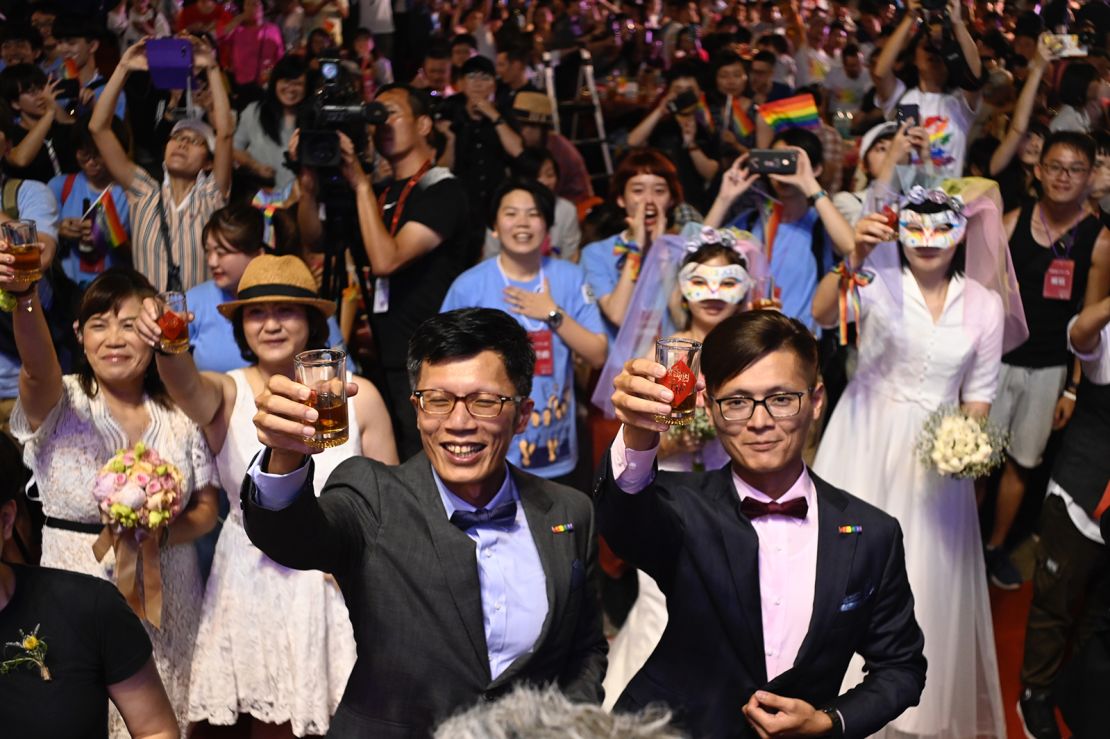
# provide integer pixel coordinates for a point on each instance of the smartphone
(170, 61)
(907, 111)
(683, 101)
(772, 161)
(1064, 45)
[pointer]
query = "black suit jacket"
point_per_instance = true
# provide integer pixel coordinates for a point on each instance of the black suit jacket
(410, 580)
(686, 531)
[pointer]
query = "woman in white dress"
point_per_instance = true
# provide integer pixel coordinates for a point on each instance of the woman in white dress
(274, 643)
(932, 334)
(715, 283)
(72, 425)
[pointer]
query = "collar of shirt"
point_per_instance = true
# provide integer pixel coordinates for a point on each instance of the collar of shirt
(167, 191)
(452, 502)
(802, 488)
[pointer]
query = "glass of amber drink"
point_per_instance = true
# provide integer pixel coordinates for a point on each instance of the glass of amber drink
(682, 358)
(24, 245)
(174, 323)
(324, 372)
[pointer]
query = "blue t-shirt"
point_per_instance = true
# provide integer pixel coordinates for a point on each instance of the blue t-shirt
(603, 272)
(212, 337)
(793, 266)
(74, 207)
(549, 446)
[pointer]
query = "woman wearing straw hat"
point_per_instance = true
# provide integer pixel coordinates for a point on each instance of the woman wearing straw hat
(274, 643)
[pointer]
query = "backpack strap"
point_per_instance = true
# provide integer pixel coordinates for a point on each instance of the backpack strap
(11, 198)
(67, 187)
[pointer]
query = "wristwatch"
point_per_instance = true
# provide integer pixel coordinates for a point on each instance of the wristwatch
(554, 319)
(812, 199)
(837, 724)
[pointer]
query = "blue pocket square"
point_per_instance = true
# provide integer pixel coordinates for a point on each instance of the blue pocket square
(577, 574)
(855, 600)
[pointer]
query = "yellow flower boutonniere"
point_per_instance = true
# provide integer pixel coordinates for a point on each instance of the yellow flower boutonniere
(30, 652)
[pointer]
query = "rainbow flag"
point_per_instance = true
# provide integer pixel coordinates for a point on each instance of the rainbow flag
(741, 121)
(704, 115)
(108, 225)
(799, 111)
(70, 71)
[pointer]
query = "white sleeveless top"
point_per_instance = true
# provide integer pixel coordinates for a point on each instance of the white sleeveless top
(242, 444)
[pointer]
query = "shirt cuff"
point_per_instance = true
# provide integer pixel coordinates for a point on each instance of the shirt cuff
(633, 470)
(1095, 354)
(276, 492)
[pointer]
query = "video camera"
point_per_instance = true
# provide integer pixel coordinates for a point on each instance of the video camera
(336, 107)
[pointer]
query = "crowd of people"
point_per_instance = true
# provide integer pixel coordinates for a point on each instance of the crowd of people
(863, 213)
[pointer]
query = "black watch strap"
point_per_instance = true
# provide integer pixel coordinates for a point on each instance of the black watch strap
(837, 724)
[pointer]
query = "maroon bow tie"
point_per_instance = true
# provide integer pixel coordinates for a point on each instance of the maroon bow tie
(796, 508)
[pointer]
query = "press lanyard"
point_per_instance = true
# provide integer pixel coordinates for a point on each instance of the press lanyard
(400, 205)
(525, 320)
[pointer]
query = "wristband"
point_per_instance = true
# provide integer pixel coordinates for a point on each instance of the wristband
(1069, 394)
(499, 121)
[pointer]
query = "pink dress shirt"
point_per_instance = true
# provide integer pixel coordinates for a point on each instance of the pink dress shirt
(787, 555)
(252, 49)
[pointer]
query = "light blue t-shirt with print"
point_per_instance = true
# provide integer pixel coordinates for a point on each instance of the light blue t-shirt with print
(549, 446)
(603, 272)
(74, 207)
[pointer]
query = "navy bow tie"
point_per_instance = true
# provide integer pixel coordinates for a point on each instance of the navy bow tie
(796, 508)
(502, 515)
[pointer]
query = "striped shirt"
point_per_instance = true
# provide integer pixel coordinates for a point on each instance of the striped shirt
(186, 223)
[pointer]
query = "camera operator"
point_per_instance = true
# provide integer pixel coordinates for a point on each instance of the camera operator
(415, 232)
(941, 61)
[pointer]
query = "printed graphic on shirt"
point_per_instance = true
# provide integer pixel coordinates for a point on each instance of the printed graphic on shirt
(940, 140)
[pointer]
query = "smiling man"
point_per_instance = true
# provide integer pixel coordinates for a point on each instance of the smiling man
(773, 577)
(464, 576)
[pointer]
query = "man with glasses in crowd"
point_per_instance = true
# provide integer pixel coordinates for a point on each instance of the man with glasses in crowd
(1052, 243)
(773, 577)
(464, 576)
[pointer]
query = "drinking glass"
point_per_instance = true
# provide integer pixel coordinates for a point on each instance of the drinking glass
(174, 323)
(682, 358)
(24, 245)
(324, 372)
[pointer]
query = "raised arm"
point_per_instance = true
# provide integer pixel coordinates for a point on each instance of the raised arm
(734, 183)
(967, 47)
(1023, 111)
(40, 374)
(870, 231)
(100, 122)
(23, 153)
(884, 68)
(204, 59)
(642, 132)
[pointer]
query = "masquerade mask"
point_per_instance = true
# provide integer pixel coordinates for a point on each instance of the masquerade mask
(944, 230)
(699, 282)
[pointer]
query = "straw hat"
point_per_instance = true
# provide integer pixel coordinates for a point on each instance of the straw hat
(272, 279)
(533, 107)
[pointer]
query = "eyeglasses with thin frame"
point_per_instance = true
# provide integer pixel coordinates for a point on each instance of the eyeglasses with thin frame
(479, 405)
(189, 139)
(777, 405)
(1056, 169)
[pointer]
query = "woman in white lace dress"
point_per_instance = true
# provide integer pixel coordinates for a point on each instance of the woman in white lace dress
(71, 425)
(275, 644)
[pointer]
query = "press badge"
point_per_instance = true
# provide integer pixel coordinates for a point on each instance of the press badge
(545, 359)
(381, 295)
(1058, 279)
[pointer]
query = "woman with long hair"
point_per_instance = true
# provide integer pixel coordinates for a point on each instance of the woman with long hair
(265, 127)
(72, 425)
(274, 643)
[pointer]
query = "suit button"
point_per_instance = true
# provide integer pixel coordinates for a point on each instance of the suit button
(489, 697)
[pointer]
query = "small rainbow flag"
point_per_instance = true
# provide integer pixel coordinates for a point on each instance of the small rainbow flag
(741, 121)
(850, 529)
(704, 115)
(109, 224)
(70, 71)
(799, 111)
(562, 528)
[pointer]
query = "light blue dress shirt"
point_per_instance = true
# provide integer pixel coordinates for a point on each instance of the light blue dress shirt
(510, 574)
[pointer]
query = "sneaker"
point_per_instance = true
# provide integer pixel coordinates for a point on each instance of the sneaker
(1038, 716)
(1001, 570)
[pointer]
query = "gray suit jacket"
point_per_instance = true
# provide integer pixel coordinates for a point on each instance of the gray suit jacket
(410, 579)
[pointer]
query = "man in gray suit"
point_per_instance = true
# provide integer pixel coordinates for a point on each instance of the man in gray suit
(463, 575)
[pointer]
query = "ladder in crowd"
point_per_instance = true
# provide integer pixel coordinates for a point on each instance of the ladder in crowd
(585, 100)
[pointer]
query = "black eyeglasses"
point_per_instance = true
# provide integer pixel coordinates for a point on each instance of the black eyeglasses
(479, 405)
(777, 405)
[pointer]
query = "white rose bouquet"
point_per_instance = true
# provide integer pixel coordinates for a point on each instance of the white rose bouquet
(960, 446)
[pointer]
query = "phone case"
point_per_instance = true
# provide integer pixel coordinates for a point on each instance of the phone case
(170, 61)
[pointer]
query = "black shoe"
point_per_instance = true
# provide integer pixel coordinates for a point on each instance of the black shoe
(1038, 716)
(1001, 570)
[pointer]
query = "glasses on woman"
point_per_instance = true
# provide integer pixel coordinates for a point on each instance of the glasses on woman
(479, 405)
(777, 405)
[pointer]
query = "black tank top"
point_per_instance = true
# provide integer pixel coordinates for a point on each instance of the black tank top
(1047, 345)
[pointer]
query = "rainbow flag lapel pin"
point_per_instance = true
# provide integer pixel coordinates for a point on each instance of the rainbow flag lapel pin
(850, 529)
(562, 528)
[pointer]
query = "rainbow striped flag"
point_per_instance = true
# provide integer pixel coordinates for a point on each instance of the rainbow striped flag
(799, 111)
(107, 225)
(704, 115)
(741, 121)
(70, 71)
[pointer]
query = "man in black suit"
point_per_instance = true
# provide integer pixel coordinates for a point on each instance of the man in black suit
(773, 577)
(463, 576)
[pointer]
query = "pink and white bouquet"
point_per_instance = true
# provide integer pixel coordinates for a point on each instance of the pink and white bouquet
(960, 446)
(137, 489)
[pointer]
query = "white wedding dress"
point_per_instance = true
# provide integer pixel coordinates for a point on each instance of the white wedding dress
(274, 643)
(908, 367)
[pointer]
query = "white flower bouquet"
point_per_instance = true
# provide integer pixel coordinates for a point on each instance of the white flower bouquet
(960, 446)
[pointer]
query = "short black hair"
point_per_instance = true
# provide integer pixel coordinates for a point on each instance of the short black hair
(318, 332)
(743, 339)
(68, 26)
(777, 42)
(463, 38)
(1102, 142)
(419, 101)
(467, 332)
(805, 140)
(850, 49)
(1075, 80)
(530, 161)
(20, 78)
(478, 64)
(83, 140)
(767, 57)
(21, 32)
(438, 50)
(681, 70)
(543, 197)
(1075, 140)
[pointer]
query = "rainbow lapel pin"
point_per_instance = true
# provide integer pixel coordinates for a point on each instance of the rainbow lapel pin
(562, 528)
(850, 529)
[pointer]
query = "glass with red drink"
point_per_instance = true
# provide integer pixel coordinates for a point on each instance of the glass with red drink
(174, 323)
(682, 358)
(324, 372)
